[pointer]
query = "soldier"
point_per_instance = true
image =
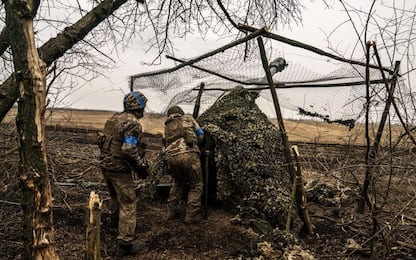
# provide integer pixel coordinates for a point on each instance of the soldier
(120, 155)
(182, 134)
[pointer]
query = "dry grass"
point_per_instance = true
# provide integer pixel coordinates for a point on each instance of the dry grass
(91, 119)
(320, 132)
(297, 131)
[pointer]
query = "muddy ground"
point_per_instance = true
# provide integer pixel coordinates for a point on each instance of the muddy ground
(331, 172)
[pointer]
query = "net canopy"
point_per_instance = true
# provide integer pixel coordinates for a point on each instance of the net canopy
(335, 96)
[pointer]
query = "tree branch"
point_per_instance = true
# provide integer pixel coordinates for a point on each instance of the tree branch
(4, 40)
(57, 46)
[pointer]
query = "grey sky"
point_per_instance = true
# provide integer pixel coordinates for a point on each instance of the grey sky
(318, 23)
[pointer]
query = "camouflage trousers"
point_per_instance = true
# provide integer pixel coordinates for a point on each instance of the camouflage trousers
(123, 201)
(185, 168)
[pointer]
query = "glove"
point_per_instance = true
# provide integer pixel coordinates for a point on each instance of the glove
(190, 139)
(200, 138)
(100, 139)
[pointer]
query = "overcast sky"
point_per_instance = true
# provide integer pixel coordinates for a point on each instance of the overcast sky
(318, 22)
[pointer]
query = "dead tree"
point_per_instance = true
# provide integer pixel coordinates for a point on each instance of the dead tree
(56, 47)
(30, 82)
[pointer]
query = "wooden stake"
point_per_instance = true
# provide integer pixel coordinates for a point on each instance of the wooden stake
(206, 176)
(300, 192)
(92, 241)
(198, 100)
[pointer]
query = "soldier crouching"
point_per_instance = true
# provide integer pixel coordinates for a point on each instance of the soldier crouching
(182, 134)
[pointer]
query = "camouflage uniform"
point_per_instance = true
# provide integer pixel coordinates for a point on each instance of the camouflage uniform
(184, 165)
(120, 154)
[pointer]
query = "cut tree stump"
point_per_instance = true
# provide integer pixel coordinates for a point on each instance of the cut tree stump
(93, 224)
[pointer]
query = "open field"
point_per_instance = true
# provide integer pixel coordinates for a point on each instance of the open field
(297, 131)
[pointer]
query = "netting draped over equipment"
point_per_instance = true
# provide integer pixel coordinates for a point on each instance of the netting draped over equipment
(336, 95)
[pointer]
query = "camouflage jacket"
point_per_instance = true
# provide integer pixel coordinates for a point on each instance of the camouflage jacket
(120, 143)
(189, 138)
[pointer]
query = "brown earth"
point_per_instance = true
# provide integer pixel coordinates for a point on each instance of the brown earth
(332, 164)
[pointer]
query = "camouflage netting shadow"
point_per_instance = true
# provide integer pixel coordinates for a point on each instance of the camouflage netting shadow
(249, 163)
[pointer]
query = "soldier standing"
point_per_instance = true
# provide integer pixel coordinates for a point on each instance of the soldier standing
(182, 134)
(120, 155)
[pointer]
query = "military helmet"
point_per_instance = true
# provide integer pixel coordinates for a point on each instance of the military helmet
(134, 100)
(175, 110)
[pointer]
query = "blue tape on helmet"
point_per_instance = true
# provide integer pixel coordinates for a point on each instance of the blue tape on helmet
(131, 140)
(199, 131)
(138, 98)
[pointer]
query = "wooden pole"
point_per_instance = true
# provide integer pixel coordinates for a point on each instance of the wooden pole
(286, 85)
(276, 107)
(206, 179)
(131, 83)
(310, 48)
(92, 241)
(206, 55)
(386, 111)
(198, 100)
(300, 192)
(279, 121)
(291, 203)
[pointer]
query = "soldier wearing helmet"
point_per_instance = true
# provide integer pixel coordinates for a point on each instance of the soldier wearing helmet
(121, 153)
(182, 134)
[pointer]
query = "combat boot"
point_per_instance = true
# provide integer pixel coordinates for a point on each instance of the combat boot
(192, 217)
(124, 250)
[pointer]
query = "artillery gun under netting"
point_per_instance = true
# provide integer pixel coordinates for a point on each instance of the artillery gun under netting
(248, 174)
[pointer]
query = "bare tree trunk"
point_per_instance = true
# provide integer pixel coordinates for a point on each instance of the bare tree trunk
(56, 47)
(39, 237)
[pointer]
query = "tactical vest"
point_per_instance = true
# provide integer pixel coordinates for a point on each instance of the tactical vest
(173, 129)
(111, 142)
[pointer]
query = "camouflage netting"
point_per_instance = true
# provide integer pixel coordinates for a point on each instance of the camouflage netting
(148, 188)
(250, 165)
(334, 95)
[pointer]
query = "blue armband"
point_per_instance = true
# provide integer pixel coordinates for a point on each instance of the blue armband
(199, 131)
(131, 140)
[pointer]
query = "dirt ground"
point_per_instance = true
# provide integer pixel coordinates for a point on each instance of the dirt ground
(332, 174)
